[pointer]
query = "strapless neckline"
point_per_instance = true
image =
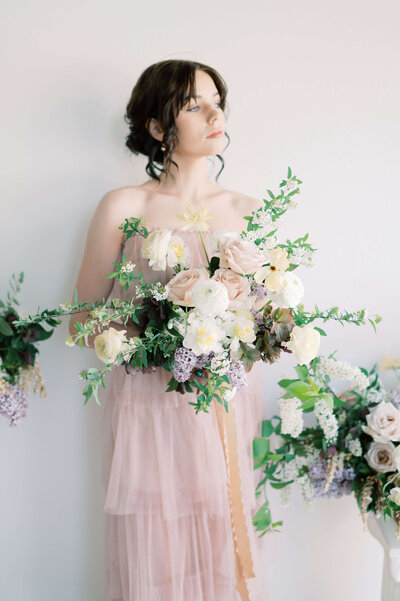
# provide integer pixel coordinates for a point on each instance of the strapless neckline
(177, 230)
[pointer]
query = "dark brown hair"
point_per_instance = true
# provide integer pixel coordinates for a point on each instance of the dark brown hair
(160, 93)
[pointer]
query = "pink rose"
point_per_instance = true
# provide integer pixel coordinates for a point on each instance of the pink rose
(180, 286)
(243, 256)
(238, 288)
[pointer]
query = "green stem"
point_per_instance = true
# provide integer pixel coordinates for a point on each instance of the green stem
(390, 481)
(205, 252)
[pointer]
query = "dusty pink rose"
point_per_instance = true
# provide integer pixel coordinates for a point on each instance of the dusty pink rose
(180, 286)
(243, 256)
(238, 288)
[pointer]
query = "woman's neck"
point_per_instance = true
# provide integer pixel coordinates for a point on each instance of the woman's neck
(190, 181)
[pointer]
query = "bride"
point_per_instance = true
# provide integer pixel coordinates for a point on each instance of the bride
(171, 510)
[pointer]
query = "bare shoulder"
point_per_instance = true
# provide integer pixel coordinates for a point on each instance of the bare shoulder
(118, 204)
(242, 203)
(248, 203)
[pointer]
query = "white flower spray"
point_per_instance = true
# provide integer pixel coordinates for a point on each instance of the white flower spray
(292, 416)
(327, 421)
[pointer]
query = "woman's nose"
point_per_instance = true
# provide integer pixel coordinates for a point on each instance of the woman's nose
(213, 115)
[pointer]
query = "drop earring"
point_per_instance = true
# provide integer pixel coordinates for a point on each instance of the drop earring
(163, 147)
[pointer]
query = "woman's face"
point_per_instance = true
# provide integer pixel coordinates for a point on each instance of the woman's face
(199, 118)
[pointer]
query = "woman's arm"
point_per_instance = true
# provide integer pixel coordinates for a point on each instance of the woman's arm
(103, 244)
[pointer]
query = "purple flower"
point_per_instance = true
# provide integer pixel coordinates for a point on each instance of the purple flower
(349, 473)
(259, 291)
(203, 359)
(184, 362)
(340, 485)
(13, 405)
(258, 316)
(237, 375)
(318, 470)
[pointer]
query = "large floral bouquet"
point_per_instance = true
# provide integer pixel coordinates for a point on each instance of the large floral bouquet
(353, 448)
(209, 323)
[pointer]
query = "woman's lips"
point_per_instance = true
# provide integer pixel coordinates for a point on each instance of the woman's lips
(217, 134)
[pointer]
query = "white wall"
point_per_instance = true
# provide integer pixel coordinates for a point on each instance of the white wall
(313, 85)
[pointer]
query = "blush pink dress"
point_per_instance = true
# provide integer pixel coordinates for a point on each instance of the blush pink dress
(168, 528)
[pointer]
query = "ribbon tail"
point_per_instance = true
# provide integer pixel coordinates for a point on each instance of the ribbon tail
(227, 425)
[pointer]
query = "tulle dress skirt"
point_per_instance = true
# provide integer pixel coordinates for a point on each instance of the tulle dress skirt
(168, 526)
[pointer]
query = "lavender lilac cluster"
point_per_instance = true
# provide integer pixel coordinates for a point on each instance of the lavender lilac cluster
(237, 375)
(185, 361)
(340, 485)
(258, 316)
(259, 291)
(13, 405)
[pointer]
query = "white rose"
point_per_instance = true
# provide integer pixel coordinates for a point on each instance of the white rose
(383, 423)
(304, 343)
(380, 457)
(291, 294)
(220, 237)
(178, 253)
(155, 249)
(203, 335)
(108, 344)
(395, 495)
(210, 297)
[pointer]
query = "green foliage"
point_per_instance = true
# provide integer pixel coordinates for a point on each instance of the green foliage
(18, 339)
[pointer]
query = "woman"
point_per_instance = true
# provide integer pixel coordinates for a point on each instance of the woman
(177, 528)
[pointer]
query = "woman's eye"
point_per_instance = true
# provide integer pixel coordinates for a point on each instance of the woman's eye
(196, 107)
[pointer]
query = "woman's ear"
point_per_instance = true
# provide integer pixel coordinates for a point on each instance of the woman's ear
(154, 129)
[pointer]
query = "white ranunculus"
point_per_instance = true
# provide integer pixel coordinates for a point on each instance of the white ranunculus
(383, 423)
(155, 249)
(219, 237)
(380, 457)
(109, 343)
(291, 294)
(395, 495)
(203, 335)
(239, 327)
(304, 343)
(210, 297)
(178, 253)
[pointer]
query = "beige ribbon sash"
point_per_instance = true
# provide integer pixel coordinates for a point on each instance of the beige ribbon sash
(227, 425)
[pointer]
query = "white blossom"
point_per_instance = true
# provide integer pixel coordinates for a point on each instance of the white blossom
(343, 371)
(326, 420)
(292, 416)
(159, 292)
(229, 394)
(220, 364)
(355, 448)
(127, 267)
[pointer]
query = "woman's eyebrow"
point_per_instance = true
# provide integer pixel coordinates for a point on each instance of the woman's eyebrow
(197, 96)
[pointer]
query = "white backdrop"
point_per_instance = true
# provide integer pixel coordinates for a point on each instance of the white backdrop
(313, 85)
